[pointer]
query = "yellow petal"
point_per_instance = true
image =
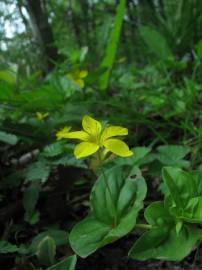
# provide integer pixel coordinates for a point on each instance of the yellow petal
(81, 135)
(79, 82)
(85, 149)
(112, 131)
(91, 126)
(62, 133)
(118, 147)
(83, 74)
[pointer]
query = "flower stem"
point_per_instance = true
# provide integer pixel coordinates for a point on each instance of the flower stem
(143, 226)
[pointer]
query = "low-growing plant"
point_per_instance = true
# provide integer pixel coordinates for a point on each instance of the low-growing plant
(117, 197)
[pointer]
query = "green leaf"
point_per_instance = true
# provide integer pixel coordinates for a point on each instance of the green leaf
(46, 251)
(112, 47)
(112, 216)
(157, 215)
(156, 42)
(199, 48)
(53, 150)
(7, 76)
(39, 170)
(185, 199)
(173, 155)
(69, 160)
(68, 263)
(8, 138)
(32, 217)
(181, 185)
(193, 211)
(166, 245)
(6, 247)
(60, 237)
(86, 236)
(30, 198)
(162, 241)
(139, 154)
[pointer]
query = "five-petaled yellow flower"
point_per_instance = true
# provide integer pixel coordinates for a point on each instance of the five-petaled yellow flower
(41, 116)
(62, 133)
(78, 77)
(94, 138)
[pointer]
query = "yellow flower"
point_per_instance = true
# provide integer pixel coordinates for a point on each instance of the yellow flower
(121, 60)
(62, 133)
(78, 77)
(41, 116)
(94, 139)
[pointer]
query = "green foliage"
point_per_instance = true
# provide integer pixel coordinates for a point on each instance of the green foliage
(60, 238)
(68, 263)
(8, 138)
(172, 221)
(7, 76)
(46, 251)
(53, 150)
(173, 155)
(114, 210)
(137, 159)
(112, 47)
(6, 247)
(162, 241)
(30, 198)
(185, 191)
(156, 43)
(39, 170)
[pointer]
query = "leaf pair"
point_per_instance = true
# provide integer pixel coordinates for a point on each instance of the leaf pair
(173, 234)
(114, 208)
(185, 199)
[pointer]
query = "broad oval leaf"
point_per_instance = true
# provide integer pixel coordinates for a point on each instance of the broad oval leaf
(166, 244)
(113, 214)
(164, 241)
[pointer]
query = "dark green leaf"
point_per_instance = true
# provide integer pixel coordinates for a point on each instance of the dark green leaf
(60, 237)
(6, 247)
(163, 241)
(181, 185)
(37, 171)
(46, 251)
(68, 263)
(8, 138)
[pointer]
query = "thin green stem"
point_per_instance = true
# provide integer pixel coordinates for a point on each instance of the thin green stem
(143, 226)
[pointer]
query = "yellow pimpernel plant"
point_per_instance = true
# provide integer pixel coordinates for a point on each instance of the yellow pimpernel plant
(78, 77)
(41, 116)
(95, 138)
